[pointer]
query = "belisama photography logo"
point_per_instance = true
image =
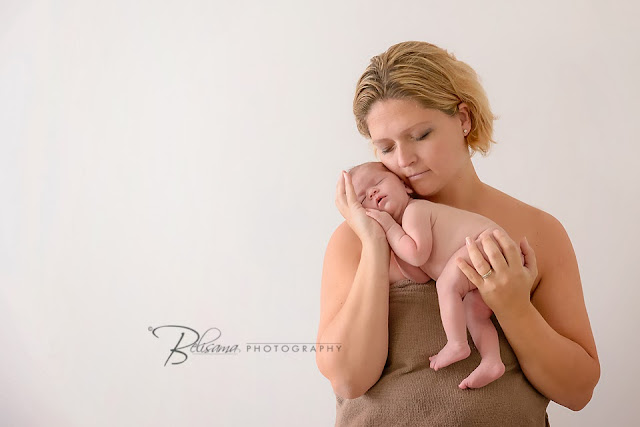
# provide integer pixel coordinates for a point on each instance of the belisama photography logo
(185, 341)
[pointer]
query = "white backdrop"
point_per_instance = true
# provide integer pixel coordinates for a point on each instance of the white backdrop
(174, 163)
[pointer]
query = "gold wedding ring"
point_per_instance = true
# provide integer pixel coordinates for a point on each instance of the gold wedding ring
(488, 273)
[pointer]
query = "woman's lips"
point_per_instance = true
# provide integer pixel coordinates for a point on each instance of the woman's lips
(417, 176)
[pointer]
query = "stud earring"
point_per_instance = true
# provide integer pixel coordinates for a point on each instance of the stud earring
(465, 131)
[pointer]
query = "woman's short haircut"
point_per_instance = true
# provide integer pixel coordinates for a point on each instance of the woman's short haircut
(431, 76)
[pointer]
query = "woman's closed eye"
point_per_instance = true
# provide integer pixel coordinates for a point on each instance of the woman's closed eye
(423, 136)
(388, 149)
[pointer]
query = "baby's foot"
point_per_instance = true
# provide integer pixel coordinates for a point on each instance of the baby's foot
(485, 373)
(450, 353)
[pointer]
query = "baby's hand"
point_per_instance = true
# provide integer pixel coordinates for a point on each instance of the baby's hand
(383, 218)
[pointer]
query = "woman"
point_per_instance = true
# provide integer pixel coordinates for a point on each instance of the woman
(426, 115)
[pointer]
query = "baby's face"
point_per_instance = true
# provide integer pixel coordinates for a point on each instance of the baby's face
(379, 189)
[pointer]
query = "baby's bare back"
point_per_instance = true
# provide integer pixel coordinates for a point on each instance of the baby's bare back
(449, 227)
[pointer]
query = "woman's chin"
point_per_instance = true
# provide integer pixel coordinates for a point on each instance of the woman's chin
(423, 190)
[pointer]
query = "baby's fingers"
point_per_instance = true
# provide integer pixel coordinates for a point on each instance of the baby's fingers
(373, 213)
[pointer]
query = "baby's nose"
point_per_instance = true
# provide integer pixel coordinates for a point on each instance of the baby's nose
(372, 192)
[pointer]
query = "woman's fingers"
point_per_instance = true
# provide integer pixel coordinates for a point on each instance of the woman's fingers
(514, 253)
(509, 248)
(339, 187)
(340, 184)
(481, 265)
(529, 257)
(353, 212)
(341, 198)
(494, 253)
(350, 192)
(470, 272)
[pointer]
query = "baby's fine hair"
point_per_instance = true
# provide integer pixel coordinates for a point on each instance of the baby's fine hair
(361, 167)
(352, 171)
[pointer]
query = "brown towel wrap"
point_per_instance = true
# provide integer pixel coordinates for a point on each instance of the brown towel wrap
(409, 393)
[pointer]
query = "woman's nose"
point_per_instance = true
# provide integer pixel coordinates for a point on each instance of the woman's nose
(406, 155)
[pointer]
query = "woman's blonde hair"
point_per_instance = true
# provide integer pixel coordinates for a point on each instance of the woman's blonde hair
(431, 76)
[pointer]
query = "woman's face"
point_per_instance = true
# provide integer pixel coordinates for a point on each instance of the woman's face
(424, 147)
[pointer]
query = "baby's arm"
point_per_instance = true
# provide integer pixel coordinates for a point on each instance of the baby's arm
(412, 241)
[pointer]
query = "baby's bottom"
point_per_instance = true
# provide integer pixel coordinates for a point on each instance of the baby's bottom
(452, 287)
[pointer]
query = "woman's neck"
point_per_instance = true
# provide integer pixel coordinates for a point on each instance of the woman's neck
(464, 191)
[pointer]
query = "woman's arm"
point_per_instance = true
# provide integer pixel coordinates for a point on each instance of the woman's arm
(354, 300)
(354, 311)
(552, 338)
(550, 332)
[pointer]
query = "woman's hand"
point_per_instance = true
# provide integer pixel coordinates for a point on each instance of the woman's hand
(508, 287)
(366, 228)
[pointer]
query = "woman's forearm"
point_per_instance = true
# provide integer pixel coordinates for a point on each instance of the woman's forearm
(361, 327)
(556, 366)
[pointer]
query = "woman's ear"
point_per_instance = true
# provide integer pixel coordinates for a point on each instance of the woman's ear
(465, 115)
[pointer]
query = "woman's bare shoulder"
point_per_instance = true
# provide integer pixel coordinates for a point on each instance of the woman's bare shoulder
(510, 202)
(520, 213)
(550, 241)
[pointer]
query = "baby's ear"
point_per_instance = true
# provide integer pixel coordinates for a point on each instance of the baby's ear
(408, 189)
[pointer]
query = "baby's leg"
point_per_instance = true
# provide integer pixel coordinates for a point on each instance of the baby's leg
(452, 286)
(485, 337)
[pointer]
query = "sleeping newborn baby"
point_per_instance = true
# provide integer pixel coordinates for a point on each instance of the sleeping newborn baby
(426, 239)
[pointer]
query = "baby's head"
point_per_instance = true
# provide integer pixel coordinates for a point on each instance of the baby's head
(376, 187)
